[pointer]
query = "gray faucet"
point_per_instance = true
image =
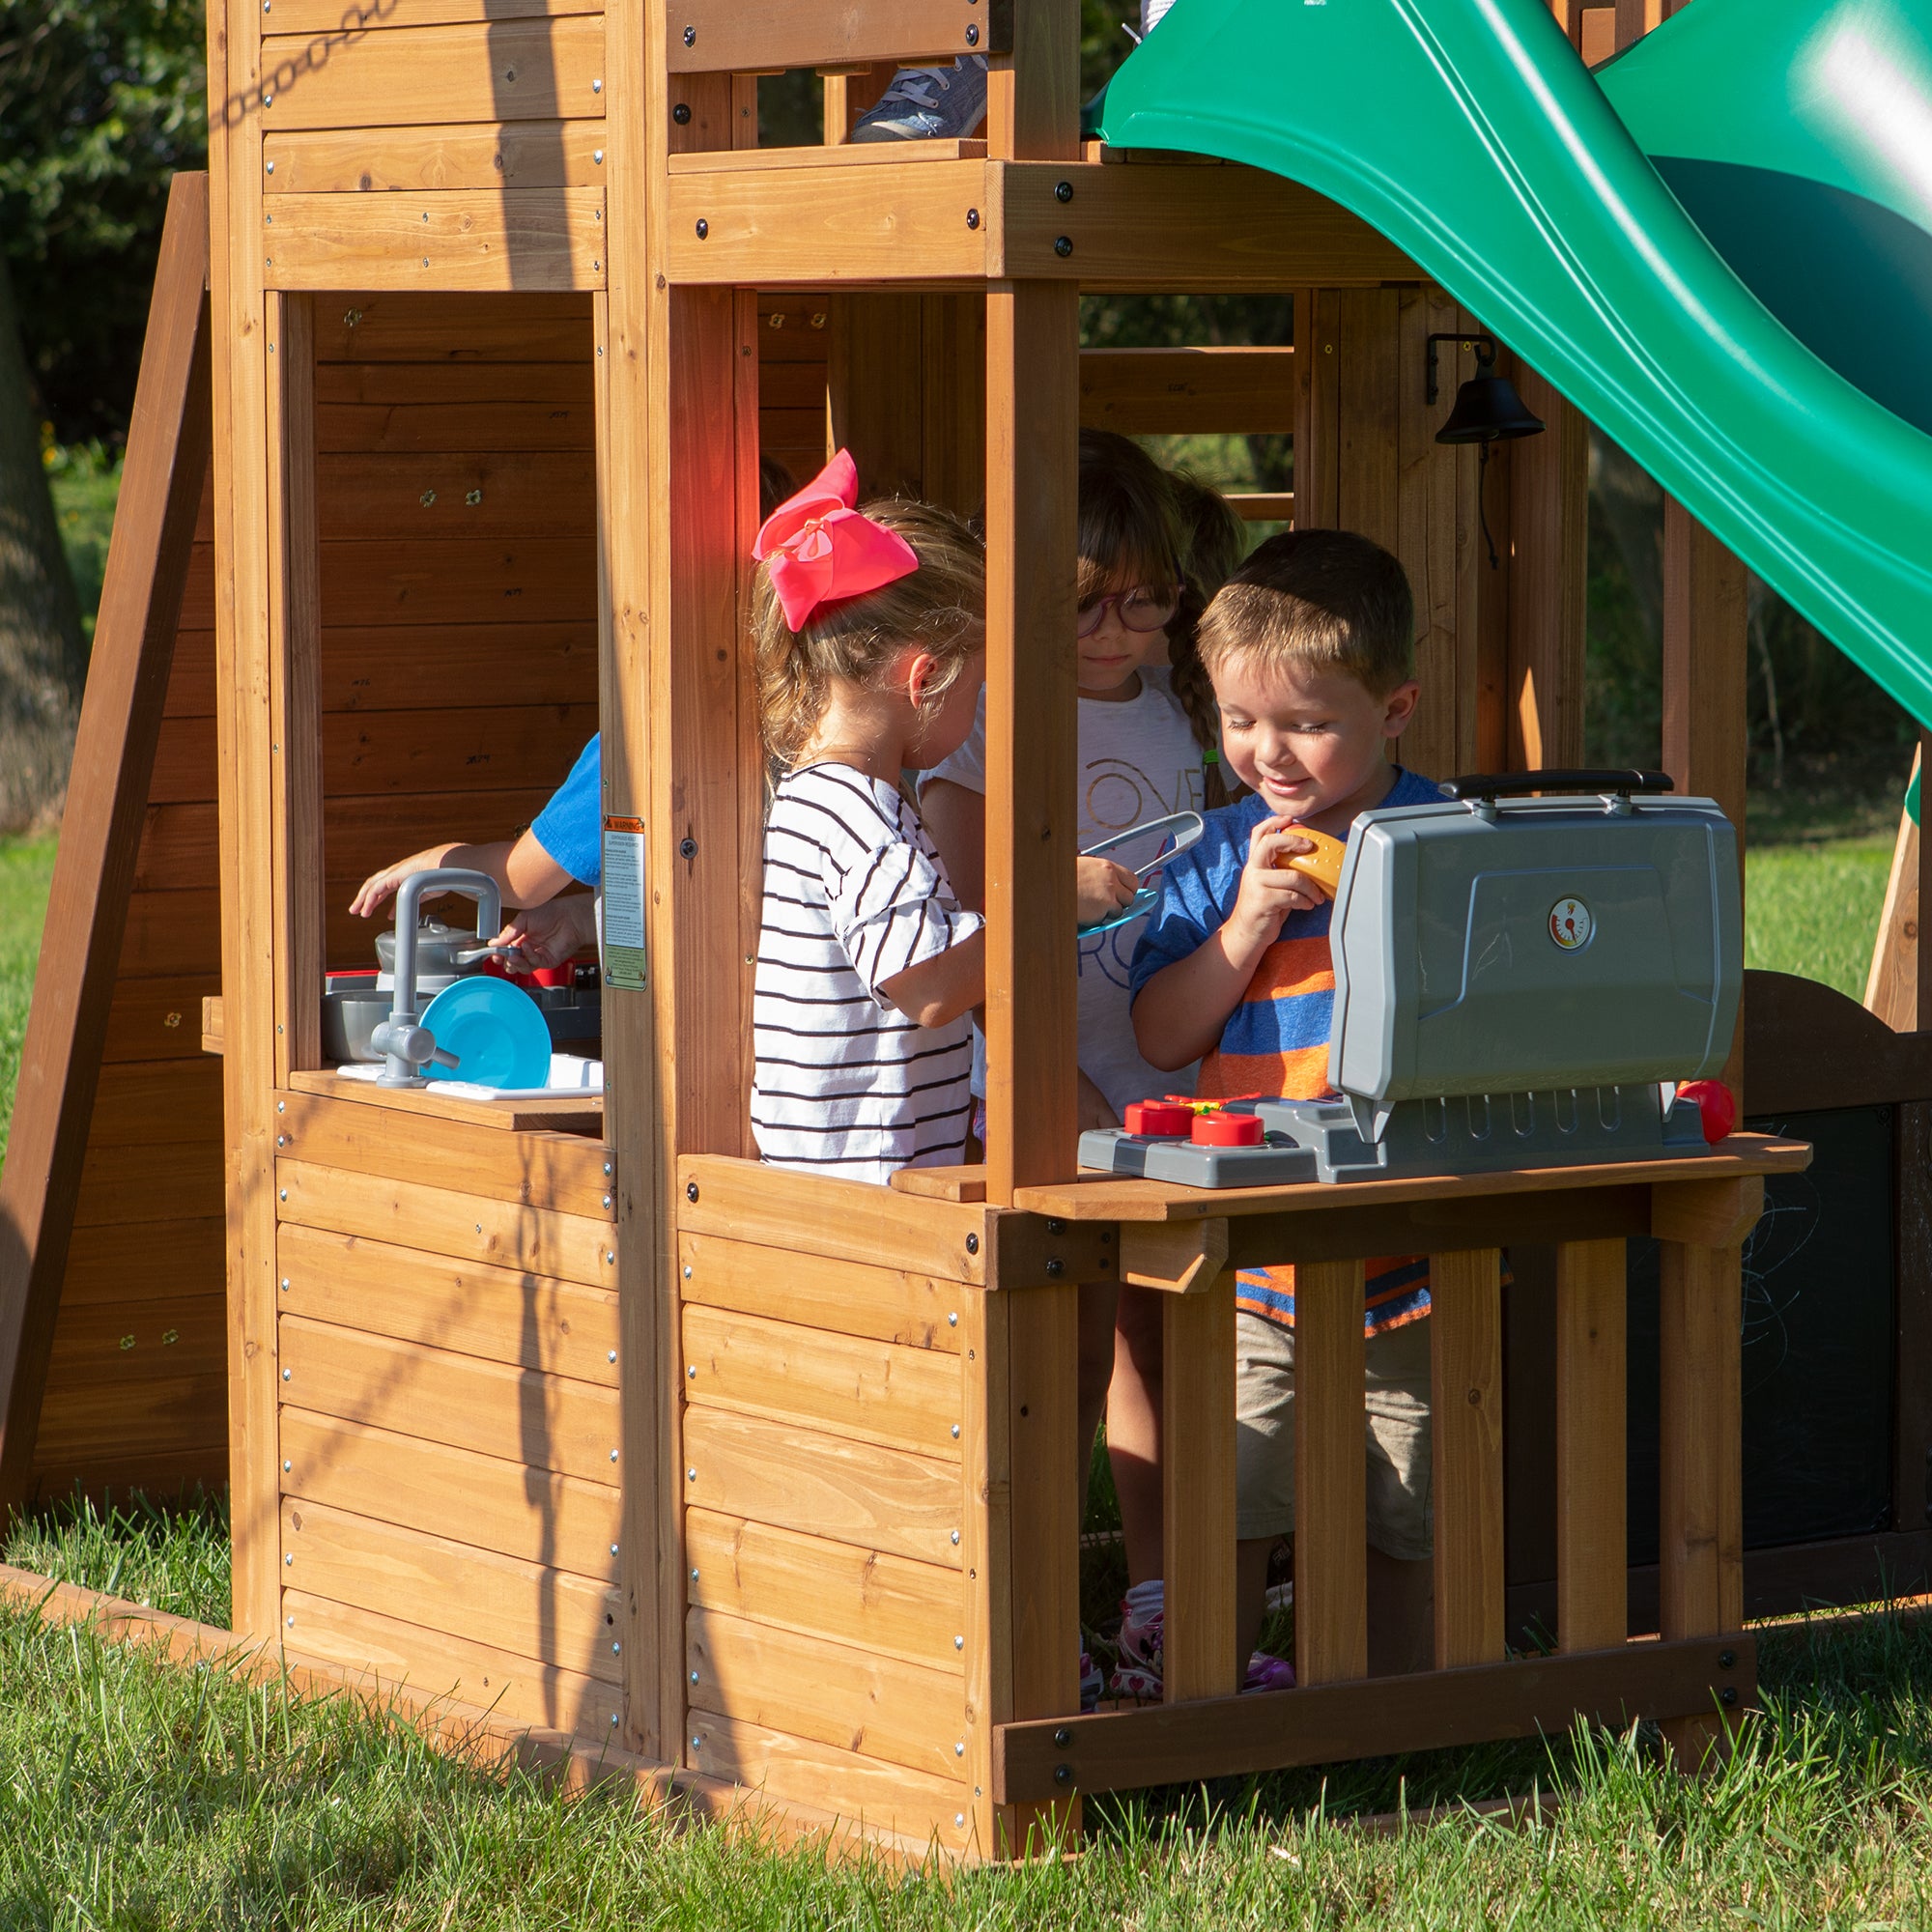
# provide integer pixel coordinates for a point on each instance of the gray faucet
(404, 1044)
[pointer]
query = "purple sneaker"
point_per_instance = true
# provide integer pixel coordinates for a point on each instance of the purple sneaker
(1268, 1673)
(1137, 1671)
(1093, 1681)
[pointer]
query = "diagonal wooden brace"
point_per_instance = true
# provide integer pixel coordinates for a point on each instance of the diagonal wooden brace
(1176, 1256)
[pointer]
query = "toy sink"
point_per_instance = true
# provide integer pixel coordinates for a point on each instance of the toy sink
(1519, 982)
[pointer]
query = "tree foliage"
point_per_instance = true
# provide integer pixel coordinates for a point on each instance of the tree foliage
(101, 101)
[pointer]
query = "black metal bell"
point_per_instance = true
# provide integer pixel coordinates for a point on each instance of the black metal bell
(1488, 409)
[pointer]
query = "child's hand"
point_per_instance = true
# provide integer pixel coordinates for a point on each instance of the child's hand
(1268, 893)
(1093, 1110)
(550, 935)
(1100, 890)
(378, 888)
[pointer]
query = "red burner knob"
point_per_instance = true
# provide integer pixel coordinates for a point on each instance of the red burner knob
(1227, 1130)
(1159, 1118)
(1717, 1107)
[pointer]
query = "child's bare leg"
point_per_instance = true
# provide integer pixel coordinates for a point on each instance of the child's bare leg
(1251, 1576)
(1402, 1613)
(1097, 1368)
(1133, 1428)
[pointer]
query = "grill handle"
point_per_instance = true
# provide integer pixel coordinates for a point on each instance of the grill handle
(1515, 784)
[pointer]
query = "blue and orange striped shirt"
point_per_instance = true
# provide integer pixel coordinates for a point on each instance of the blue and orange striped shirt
(1276, 1042)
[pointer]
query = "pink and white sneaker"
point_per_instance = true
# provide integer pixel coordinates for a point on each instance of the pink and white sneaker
(1137, 1668)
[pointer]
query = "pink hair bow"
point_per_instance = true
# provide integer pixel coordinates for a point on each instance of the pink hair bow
(820, 550)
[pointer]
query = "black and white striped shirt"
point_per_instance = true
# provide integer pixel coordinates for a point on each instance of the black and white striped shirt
(855, 894)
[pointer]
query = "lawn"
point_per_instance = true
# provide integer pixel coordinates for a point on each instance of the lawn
(138, 1795)
(26, 870)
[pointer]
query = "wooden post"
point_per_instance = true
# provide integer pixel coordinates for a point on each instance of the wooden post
(1197, 1493)
(244, 443)
(107, 795)
(1032, 350)
(1332, 1547)
(1466, 1397)
(1891, 987)
(1549, 533)
(1592, 1511)
(1705, 724)
(1700, 1574)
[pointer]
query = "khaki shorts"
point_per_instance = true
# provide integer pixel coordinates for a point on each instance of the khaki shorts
(1399, 1513)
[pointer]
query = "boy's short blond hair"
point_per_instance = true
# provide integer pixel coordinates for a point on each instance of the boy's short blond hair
(1327, 600)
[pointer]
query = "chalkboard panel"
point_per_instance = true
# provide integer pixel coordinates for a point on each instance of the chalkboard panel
(1818, 1344)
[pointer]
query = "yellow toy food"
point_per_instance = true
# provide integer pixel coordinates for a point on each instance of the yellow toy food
(1323, 865)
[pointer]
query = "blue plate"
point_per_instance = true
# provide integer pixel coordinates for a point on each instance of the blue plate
(495, 1030)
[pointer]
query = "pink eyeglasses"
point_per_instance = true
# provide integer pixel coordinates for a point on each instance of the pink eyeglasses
(1141, 609)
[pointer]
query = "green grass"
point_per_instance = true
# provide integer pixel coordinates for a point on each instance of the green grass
(85, 483)
(26, 870)
(172, 1558)
(134, 1794)
(1814, 909)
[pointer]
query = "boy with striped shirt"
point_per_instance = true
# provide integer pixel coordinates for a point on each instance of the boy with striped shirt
(1310, 649)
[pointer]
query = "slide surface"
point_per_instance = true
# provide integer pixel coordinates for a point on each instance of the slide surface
(1469, 133)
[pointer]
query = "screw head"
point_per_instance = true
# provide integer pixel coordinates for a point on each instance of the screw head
(613, 1455)
(287, 1466)
(691, 1373)
(952, 1318)
(972, 1244)
(597, 87)
(1063, 246)
(597, 157)
(1056, 1227)
(691, 37)
(287, 1374)
(955, 1539)
(1063, 1736)
(607, 1168)
(1729, 1694)
(284, 1193)
(290, 1558)
(691, 1476)
(687, 1271)
(703, 228)
(611, 1354)
(687, 848)
(271, 167)
(613, 1549)
(693, 1575)
(972, 217)
(955, 1431)
(1063, 1774)
(971, 37)
(1055, 1268)
(694, 1677)
(958, 1643)
(959, 1750)
(960, 1820)
(691, 1193)
(1727, 1659)
(697, 1744)
(681, 113)
(285, 1284)
(606, 1201)
(1063, 190)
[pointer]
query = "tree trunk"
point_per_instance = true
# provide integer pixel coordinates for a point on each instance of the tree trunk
(42, 665)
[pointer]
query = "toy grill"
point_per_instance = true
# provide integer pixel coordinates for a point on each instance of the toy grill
(1518, 982)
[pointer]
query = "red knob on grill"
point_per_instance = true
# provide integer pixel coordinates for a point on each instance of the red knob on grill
(1716, 1105)
(1159, 1116)
(1227, 1130)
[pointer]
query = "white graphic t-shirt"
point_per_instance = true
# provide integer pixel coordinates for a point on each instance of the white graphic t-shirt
(1138, 760)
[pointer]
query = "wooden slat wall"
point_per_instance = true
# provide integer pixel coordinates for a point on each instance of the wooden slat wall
(136, 1386)
(826, 1531)
(455, 499)
(448, 1424)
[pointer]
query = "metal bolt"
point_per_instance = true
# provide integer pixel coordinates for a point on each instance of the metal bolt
(287, 1374)
(613, 1549)
(691, 1476)
(613, 1717)
(694, 1677)
(952, 1318)
(697, 1743)
(597, 156)
(289, 1558)
(1056, 1227)
(427, 498)
(1729, 1694)
(597, 87)
(959, 1750)
(972, 217)
(955, 1431)
(687, 1271)
(1727, 1659)
(691, 37)
(955, 1539)
(972, 1244)
(693, 1575)
(285, 1284)
(616, 1650)
(960, 1820)
(425, 260)
(606, 1201)
(1063, 1736)
(287, 1466)
(267, 100)
(607, 1168)
(425, 215)
(610, 1257)
(1063, 190)
(1063, 1774)
(687, 848)
(611, 1355)
(284, 1194)
(291, 1623)
(971, 37)
(1063, 246)
(271, 167)
(958, 1643)
(703, 228)
(681, 114)
(691, 1373)
(1055, 1268)
(613, 1455)
(691, 1193)
(282, 1106)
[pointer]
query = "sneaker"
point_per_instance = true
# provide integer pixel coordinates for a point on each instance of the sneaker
(1137, 1665)
(1268, 1673)
(1092, 1681)
(928, 103)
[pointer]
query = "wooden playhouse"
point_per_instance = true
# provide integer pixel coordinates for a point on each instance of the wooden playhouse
(575, 1410)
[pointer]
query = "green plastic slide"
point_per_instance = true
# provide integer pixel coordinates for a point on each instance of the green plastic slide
(1768, 368)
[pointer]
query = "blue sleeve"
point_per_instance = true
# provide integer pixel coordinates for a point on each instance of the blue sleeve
(1196, 891)
(570, 828)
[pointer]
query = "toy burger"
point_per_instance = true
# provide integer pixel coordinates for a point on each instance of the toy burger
(1323, 865)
